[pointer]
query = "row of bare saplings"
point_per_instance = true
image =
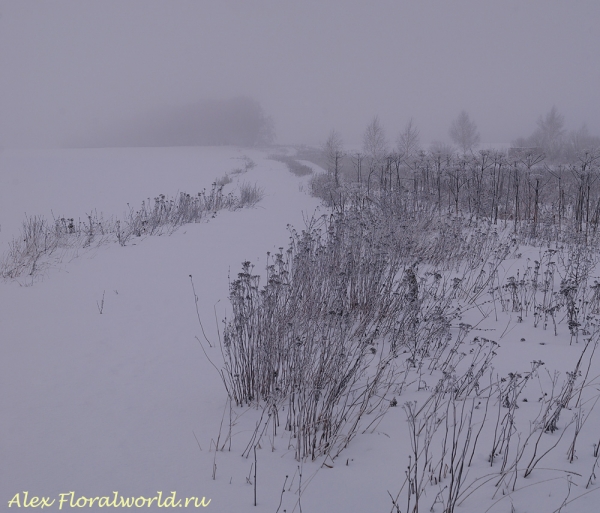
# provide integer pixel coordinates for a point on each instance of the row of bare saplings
(318, 345)
(519, 191)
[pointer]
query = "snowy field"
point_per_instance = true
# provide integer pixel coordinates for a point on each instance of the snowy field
(105, 387)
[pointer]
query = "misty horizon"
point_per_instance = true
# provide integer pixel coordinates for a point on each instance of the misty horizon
(75, 71)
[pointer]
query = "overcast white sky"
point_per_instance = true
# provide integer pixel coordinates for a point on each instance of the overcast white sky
(67, 66)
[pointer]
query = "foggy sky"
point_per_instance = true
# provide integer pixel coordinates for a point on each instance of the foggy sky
(71, 66)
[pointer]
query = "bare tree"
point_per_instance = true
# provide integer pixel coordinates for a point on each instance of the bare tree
(374, 146)
(374, 143)
(463, 132)
(334, 152)
(409, 142)
(550, 133)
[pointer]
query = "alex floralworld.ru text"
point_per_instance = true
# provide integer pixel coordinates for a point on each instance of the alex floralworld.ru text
(116, 501)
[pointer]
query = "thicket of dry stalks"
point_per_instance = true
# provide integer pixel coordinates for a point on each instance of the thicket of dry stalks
(366, 305)
(321, 339)
(41, 240)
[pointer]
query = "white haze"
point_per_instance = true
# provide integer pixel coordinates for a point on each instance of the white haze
(70, 67)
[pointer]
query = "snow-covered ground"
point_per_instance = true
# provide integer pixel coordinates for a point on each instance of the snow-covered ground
(104, 387)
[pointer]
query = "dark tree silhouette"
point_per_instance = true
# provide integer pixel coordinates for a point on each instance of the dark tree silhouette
(237, 121)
